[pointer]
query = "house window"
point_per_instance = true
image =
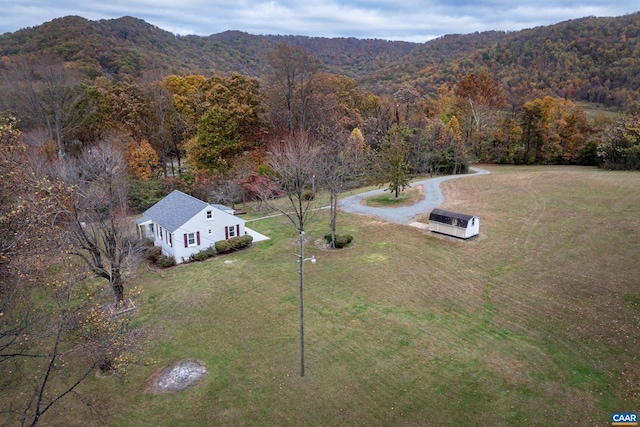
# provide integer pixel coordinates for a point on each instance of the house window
(209, 214)
(160, 231)
(171, 240)
(231, 230)
(210, 231)
(192, 239)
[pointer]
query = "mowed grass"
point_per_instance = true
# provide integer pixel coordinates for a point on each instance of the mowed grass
(535, 322)
(408, 196)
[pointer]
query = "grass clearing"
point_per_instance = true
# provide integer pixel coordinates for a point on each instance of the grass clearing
(535, 322)
(593, 109)
(408, 196)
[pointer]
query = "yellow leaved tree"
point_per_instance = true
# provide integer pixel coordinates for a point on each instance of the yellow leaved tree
(142, 160)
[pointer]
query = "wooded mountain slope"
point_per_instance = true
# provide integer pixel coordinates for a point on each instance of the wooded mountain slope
(591, 59)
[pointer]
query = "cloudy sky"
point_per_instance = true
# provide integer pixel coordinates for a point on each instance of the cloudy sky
(409, 20)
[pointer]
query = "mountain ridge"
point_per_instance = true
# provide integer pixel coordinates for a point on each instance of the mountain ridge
(590, 59)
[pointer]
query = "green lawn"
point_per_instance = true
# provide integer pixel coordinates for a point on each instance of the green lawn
(535, 322)
(408, 196)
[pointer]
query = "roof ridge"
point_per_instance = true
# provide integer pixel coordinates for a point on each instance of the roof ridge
(190, 196)
(175, 209)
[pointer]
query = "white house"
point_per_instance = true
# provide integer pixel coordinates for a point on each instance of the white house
(454, 224)
(183, 225)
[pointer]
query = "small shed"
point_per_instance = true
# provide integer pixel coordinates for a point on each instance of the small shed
(454, 224)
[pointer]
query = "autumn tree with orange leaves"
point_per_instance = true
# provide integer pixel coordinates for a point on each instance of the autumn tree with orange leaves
(553, 131)
(142, 160)
(480, 99)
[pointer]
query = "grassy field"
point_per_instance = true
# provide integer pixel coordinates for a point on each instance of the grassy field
(535, 322)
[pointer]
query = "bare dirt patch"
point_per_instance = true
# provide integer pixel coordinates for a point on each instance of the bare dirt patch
(177, 377)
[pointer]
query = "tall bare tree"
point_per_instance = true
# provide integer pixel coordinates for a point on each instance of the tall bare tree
(379, 121)
(291, 86)
(163, 110)
(103, 235)
(343, 158)
(45, 92)
(295, 161)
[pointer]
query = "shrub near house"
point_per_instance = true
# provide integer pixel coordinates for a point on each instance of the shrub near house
(234, 243)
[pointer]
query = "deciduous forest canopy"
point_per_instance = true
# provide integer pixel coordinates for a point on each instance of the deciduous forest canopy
(195, 105)
(205, 109)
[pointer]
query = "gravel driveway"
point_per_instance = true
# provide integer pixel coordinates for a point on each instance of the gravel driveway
(405, 214)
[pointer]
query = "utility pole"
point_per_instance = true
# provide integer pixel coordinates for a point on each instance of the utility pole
(301, 260)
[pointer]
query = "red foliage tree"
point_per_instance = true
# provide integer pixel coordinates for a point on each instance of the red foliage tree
(260, 187)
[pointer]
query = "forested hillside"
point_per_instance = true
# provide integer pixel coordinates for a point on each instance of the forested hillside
(515, 97)
(130, 47)
(590, 59)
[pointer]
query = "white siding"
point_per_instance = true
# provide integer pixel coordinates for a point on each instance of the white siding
(200, 223)
(163, 241)
(446, 229)
(473, 228)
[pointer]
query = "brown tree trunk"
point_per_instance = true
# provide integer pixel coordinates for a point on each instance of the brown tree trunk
(334, 218)
(116, 285)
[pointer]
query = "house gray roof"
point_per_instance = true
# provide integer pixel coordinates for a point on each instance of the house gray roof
(451, 218)
(174, 210)
(142, 220)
